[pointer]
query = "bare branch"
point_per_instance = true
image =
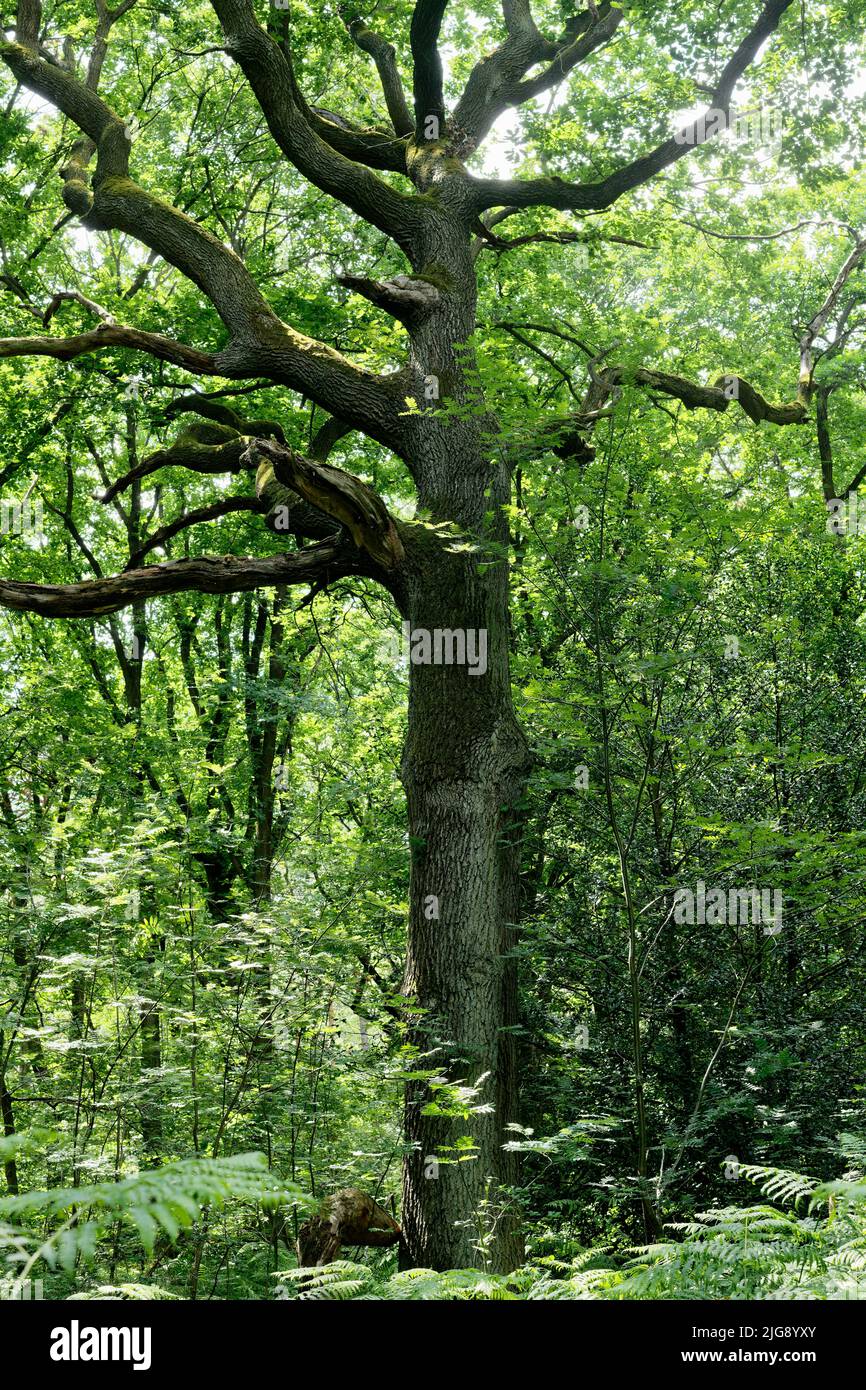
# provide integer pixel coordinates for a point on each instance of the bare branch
(752, 236)
(817, 325)
(490, 242)
(326, 437)
(223, 414)
(75, 296)
(194, 518)
(378, 149)
(336, 493)
(569, 436)
(716, 397)
(404, 297)
(513, 331)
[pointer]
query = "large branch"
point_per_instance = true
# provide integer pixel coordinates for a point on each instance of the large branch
(495, 83)
(385, 58)
(517, 17)
(270, 74)
(226, 574)
(108, 336)
(557, 193)
(333, 491)
(260, 343)
(223, 414)
(825, 445)
(427, 81)
(584, 36)
(378, 149)
(404, 297)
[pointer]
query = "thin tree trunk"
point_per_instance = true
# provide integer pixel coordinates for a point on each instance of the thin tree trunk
(7, 1115)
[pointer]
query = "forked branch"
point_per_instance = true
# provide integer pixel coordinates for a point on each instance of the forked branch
(558, 193)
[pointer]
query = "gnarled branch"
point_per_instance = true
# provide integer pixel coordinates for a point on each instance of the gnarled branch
(716, 397)
(336, 493)
(112, 335)
(198, 455)
(225, 574)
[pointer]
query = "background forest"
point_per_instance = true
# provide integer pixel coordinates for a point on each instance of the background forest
(204, 848)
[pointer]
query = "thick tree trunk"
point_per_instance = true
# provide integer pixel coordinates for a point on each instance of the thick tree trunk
(464, 771)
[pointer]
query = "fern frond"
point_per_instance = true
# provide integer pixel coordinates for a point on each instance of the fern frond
(163, 1200)
(779, 1183)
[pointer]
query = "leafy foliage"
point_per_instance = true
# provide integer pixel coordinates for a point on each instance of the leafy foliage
(164, 1203)
(204, 855)
(755, 1252)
